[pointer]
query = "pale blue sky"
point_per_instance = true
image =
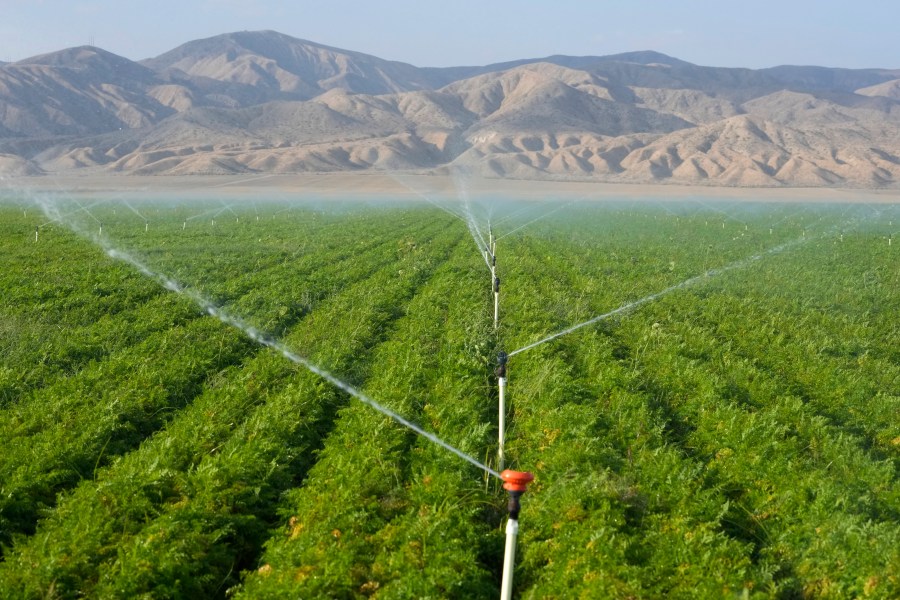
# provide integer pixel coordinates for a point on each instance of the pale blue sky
(760, 33)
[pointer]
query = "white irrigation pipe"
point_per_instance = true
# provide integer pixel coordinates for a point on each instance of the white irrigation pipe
(516, 483)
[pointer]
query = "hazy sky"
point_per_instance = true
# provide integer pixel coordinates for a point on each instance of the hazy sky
(756, 33)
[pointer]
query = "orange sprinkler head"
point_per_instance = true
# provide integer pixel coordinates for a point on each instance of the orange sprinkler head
(516, 481)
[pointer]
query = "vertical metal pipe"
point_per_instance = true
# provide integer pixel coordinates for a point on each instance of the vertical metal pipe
(509, 559)
(496, 309)
(516, 483)
(496, 301)
(501, 422)
(502, 359)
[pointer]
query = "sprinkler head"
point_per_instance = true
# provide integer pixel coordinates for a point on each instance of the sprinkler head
(502, 357)
(496, 285)
(516, 481)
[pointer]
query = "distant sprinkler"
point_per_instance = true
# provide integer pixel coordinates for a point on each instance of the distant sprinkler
(101, 229)
(184, 226)
(36, 230)
(770, 231)
(516, 483)
(146, 226)
(502, 359)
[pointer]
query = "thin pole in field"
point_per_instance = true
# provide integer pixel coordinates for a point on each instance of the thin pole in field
(501, 408)
(516, 483)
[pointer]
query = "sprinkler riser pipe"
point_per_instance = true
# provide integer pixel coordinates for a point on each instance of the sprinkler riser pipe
(496, 308)
(501, 421)
(509, 559)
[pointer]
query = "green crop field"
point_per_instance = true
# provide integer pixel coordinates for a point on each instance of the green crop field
(732, 432)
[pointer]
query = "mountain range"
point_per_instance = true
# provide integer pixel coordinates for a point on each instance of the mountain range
(264, 102)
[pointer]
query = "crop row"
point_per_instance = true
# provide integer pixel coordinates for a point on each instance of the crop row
(204, 485)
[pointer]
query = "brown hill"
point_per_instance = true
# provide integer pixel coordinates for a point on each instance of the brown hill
(278, 66)
(265, 102)
(888, 89)
(79, 91)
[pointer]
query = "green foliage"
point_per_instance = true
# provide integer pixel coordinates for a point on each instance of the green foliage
(737, 437)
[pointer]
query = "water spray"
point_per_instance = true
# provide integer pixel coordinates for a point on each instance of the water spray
(502, 359)
(516, 483)
(256, 335)
(687, 283)
(536, 219)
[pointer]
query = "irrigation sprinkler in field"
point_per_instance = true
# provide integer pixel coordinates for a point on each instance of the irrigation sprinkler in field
(516, 483)
(502, 359)
(184, 226)
(146, 226)
(36, 230)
